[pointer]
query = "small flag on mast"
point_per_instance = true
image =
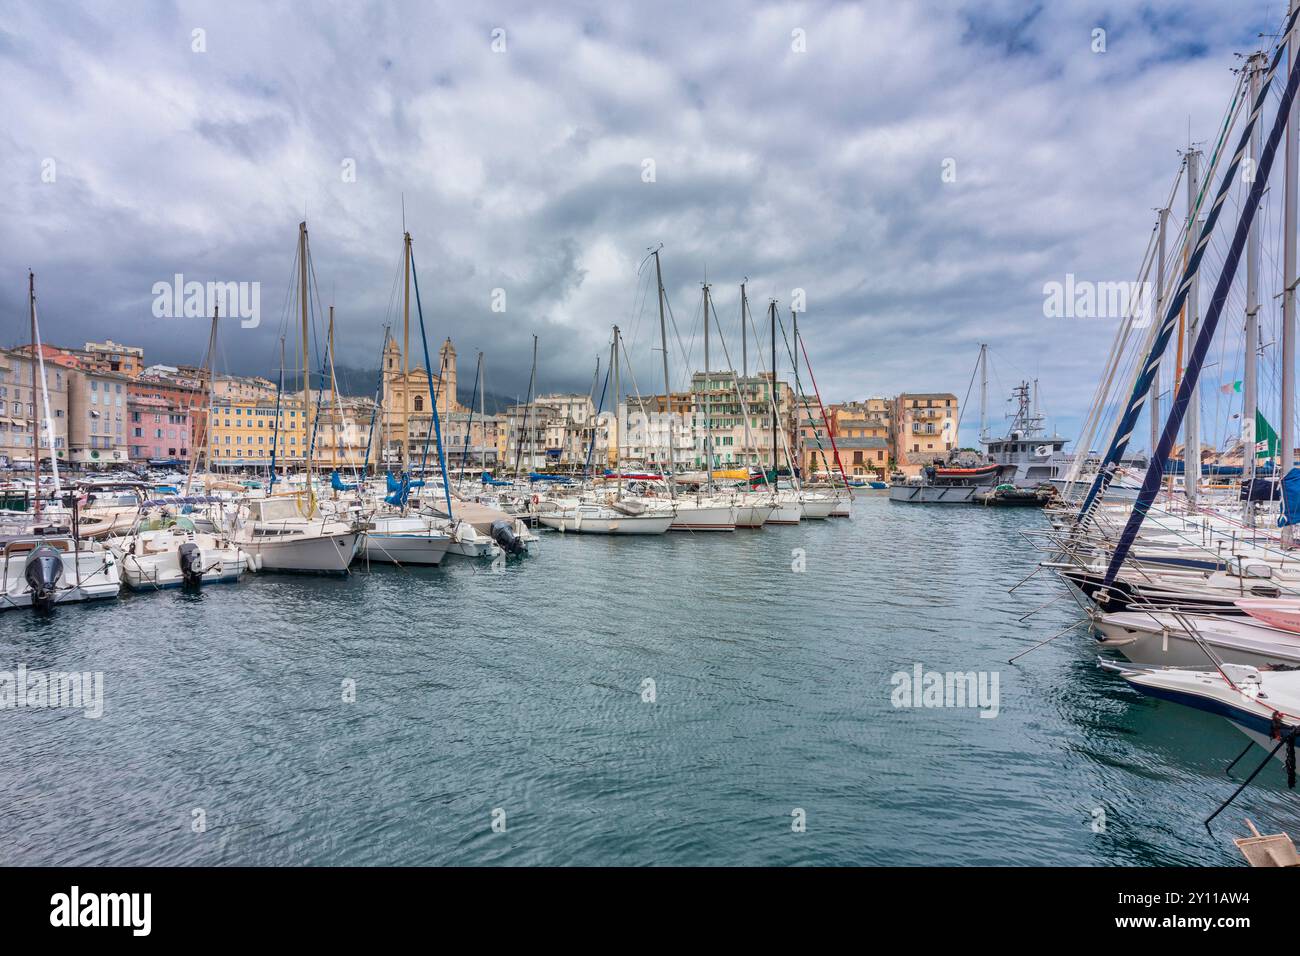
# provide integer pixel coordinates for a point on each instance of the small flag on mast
(1262, 436)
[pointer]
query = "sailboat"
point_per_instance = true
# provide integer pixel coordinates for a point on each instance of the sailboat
(609, 513)
(290, 532)
(1240, 668)
(704, 510)
(165, 549)
(48, 564)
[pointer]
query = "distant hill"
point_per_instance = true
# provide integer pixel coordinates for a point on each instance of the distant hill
(358, 381)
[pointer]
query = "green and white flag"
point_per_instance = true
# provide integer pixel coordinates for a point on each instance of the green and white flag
(1262, 436)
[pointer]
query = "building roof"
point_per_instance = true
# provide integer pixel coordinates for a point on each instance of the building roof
(928, 395)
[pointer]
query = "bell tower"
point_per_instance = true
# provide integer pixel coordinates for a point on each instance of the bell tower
(447, 375)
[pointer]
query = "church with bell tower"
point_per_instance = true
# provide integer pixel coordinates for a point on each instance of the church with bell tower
(404, 404)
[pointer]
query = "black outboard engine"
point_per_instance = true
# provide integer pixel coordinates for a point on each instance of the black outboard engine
(504, 535)
(191, 560)
(43, 571)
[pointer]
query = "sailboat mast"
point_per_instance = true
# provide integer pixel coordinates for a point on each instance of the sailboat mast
(744, 330)
(334, 390)
(1249, 377)
(798, 396)
(1287, 425)
(1192, 430)
(482, 412)
(708, 403)
(36, 432)
(284, 457)
(1154, 400)
(984, 392)
(663, 329)
(207, 377)
(618, 422)
(306, 371)
(406, 351)
(446, 394)
(771, 312)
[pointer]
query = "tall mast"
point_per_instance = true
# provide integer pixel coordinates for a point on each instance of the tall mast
(1249, 383)
(618, 424)
(406, 351)
(663, 330)
(1154, 400)
(798, 405)
(771, 312)
(1287, 429)
(279, 442)
(983, 393)
(1192, 431)
(482, 410)
(446, 395)
(708, 403)
(306, 370)
(744, 330)
(207, 375)
(523, 437)
(36, 432)
(334, 391)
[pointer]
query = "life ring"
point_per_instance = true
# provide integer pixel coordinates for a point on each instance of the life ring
(537, 499)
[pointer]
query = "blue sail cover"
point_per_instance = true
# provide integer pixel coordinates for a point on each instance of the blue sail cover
(496, 482)
(1196, 361)
(399, 493)
(1290, 499)
(1151, 366)
(396, 484)
(338, 484)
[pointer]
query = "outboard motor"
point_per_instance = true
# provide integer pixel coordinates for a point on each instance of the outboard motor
(43, 571)
(191, 560)
(504, 535)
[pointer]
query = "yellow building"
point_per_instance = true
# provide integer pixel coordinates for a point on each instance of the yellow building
(925, 429)
(244, 432)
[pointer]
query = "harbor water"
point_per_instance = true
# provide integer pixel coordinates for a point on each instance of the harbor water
(686, 699)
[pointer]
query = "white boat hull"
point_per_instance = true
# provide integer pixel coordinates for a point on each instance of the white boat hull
(307, 553)
(818, 508)
(753, 516)
(163, 571)
(786, 512)
(693, 517)
(87, 576)
(623, 524)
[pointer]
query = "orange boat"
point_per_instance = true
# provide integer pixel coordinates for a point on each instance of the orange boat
(981, 471)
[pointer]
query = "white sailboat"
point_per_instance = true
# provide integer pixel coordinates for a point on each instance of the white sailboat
(43, 565)
(405, 539)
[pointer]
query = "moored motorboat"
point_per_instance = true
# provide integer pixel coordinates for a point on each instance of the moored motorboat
(167, 551)
(41, 571)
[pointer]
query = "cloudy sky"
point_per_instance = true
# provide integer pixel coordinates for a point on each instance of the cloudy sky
(801, 145)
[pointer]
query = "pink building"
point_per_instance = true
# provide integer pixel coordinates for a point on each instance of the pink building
(158, 430)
